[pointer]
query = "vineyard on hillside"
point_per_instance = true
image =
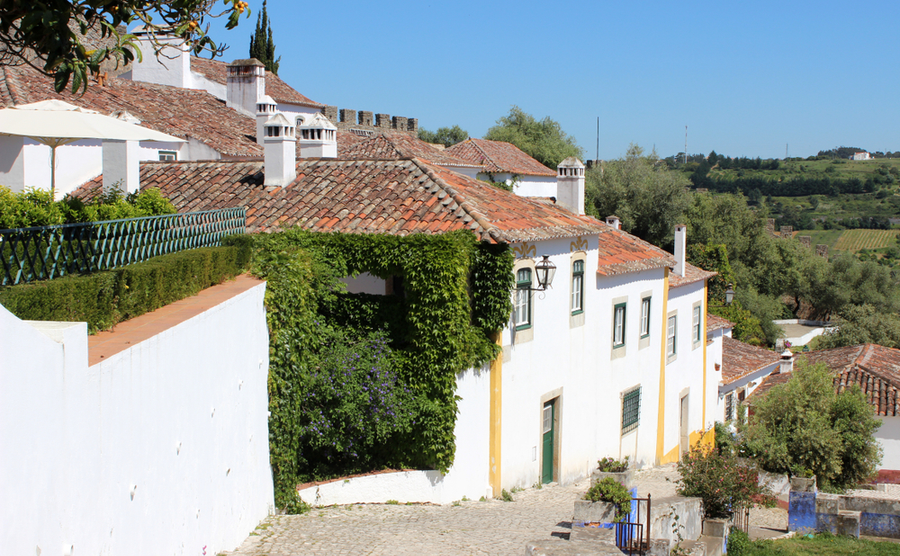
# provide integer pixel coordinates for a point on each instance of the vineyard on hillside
(855, 240)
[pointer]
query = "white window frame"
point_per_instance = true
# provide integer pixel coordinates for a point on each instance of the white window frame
(671, 336)
(577, 304)
(619, 310)
(645, 317)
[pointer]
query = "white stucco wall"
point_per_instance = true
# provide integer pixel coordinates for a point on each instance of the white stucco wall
(684, 374)
(160, 449)
(466, 171)
(526, 186)
(888, 435)
(467, 477)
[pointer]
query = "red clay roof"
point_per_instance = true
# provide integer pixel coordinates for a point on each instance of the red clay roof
(498, 156)
(393, 146)
(767, 384)
(215, 70)
(184, 113)
(361, 196)
(715, 322)
(692, 274)
(740, 359)
(621, 252)
(875, 369)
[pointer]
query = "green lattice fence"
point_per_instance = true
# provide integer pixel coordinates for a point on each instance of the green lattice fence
(45, 252)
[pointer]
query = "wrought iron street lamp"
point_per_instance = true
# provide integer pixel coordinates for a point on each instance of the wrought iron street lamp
(729, 297)
(545, 270)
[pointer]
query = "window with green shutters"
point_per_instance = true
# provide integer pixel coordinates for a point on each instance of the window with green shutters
(577, 287)
(523, 299)
(631, 410)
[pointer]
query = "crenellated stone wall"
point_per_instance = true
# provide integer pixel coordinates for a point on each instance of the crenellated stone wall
(363, 120)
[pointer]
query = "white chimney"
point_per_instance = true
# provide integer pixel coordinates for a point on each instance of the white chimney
(317, 136)
(281, 151)
(680, 246)
(245, 86)
(265, 109)
(787, 362)
(613, 220)
(121, 166)
(570, 184)
(172, 66)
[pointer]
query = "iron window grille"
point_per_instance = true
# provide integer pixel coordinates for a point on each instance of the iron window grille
(631, 410)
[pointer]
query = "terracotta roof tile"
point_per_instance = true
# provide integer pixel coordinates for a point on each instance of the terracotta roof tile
(184, 113)
(621, 252)
(740, 359)
(691, 274)
(392, 146)
(215, 70)
(498, 156)
(715, 322)
(767, 384)
(328, 191)
(875, 369)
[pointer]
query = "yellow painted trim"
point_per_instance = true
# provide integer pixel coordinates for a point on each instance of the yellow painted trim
(671, 457)
(495, 418)
(661, 416)
(703, 339)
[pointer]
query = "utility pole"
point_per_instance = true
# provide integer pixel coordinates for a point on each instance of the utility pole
(785, 151)
(685, 144)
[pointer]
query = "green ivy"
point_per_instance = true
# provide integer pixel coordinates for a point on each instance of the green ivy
(455, 296)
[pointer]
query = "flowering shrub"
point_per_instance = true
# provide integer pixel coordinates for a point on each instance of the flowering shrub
(611, 465)
(720, 482)
(611, 491)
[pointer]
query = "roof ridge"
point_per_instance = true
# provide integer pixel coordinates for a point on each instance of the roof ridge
(464, 204)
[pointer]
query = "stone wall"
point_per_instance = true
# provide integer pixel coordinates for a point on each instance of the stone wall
(347, 120)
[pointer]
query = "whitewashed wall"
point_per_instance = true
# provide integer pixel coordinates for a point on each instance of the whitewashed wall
(574, 363)
(713, 358)
(525, 186)
(684, 375)
(160, 449)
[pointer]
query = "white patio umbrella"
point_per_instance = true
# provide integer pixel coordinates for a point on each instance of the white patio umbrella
(55, 123)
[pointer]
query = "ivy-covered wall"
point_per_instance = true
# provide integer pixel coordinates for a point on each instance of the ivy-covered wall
(362, 382)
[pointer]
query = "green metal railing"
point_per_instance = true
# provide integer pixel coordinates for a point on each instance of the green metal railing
(46, 252)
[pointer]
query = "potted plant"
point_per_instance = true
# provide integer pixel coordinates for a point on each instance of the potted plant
(607, 501)
(619, 470)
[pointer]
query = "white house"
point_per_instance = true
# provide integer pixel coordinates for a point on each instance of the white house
(506, 163)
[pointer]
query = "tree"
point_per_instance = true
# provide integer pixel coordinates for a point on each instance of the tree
(649, 198)
(262, 46)
(447, 136)
(803, 425)
(863, 325)
(52, 36)
(544, 140)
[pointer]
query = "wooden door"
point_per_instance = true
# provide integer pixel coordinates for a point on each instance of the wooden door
(548, 417)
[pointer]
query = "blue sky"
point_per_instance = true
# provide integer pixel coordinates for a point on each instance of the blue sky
(747, 78)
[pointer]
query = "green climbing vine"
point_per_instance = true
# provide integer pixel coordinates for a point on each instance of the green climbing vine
(362, 382)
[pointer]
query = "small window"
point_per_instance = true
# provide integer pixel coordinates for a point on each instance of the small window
(695, 324)
(547, 419)
(729, 406)
(167, 156)
(619, 325)
(645, 317)
(523, 299)
(670, 335)
(631, 409)
(577, 287)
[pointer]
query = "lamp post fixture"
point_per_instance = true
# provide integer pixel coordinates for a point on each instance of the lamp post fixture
(545, 270)
(729, 297)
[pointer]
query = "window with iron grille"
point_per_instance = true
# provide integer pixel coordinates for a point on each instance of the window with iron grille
(631, 409)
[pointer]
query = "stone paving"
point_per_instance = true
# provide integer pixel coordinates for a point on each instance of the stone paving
(490, 527)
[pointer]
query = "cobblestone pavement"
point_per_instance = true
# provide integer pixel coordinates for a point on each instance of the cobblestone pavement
(491, 527)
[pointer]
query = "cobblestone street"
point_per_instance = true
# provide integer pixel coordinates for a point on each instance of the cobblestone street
(492, 527)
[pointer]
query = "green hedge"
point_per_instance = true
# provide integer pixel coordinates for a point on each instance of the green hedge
(106, 298)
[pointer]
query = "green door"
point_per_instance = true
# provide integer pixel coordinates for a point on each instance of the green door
(547, 450)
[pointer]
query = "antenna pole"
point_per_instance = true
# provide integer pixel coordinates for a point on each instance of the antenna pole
(598, 138)
(685, 144)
